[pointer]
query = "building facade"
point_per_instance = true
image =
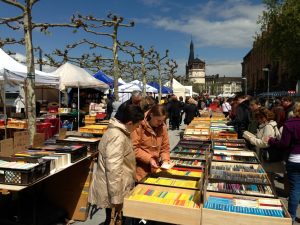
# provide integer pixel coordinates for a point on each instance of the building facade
(195, 68)
(216, 85)
(258, 67)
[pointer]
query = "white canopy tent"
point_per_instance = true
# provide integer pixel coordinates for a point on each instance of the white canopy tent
(76, 77)
(140, 85)
(16, 71)
(178, 88)
(125, 91)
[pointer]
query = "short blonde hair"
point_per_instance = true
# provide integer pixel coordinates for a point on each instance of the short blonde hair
(296, 109)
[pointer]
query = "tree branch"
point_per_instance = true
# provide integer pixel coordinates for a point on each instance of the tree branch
(14, 3)
(11, 41)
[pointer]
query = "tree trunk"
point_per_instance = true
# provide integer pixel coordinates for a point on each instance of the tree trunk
(144, 75)
(159, 82)
(116, 64)
(31, 113)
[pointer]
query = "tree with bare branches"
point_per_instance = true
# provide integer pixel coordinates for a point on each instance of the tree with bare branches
(93, 25)
(24, 21)
(157, 62)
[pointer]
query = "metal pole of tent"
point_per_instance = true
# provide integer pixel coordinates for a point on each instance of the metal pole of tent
(78, 105)
(4, 104)
(59, 106)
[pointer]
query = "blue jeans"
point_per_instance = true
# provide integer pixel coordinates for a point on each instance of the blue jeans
(293, 172)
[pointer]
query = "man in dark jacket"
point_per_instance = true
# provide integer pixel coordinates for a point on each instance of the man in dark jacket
(135, 99)
(190, 110)
(175, 108)
(242, 118)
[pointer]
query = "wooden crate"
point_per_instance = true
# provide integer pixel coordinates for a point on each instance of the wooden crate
(162, 212)
(217, 217)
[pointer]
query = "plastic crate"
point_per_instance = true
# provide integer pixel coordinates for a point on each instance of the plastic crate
(22, 176)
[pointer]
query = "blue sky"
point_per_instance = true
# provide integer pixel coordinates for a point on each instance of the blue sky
(222, 30)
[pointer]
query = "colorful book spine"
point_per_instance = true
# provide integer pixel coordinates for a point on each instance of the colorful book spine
(166, 197)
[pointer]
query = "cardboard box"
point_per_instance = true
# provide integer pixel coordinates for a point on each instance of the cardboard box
(162, 212)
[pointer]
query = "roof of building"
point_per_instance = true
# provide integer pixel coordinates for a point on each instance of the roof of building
(197, 60)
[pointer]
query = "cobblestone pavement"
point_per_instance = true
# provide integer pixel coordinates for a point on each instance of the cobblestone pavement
(99, 217)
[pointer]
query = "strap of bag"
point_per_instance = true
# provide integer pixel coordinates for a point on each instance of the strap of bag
(113, 217)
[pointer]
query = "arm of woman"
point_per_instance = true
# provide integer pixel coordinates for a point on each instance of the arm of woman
(261, 142)
(165, 146)
(285, 140)
(114, 169)
(140, 154)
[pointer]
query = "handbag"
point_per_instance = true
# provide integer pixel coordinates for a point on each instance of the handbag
(115, 217)
(273, 153)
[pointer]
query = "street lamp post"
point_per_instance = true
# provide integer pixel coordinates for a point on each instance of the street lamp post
(246, 87)
(266, 69)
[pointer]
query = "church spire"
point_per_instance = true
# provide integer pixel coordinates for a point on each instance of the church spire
(191, 56)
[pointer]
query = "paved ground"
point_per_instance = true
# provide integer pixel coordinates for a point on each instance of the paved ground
(99, 217)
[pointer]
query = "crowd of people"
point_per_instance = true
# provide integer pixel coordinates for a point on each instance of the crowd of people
(137, 142)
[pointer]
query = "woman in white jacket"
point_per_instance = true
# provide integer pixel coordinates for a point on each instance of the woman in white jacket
(267, 128)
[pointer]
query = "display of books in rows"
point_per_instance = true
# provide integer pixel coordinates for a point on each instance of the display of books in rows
(150, 194)
(254, 178)
(237, 167)
(164, 181)
(58, 160)
(188, 151)
(245, 159)
(238, 153)
(188, 163)
(187, 156)
(196, 143)
(17, 165)
(237, 143)
(243, 189)
(181, 173)
(197, 132)
(244, 205)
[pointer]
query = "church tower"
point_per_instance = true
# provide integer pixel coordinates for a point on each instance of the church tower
(195, 68)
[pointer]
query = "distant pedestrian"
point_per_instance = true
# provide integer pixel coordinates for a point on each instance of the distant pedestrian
(226, 107)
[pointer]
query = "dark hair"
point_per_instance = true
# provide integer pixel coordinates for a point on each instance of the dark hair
(132, 114)
(158, 110)
(287, 98)
(147, 103)
(264, 112)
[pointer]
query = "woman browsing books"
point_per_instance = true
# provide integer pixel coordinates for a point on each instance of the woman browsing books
(151, 142)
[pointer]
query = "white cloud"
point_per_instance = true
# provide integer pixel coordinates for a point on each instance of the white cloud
(224, 67)
(231, 24)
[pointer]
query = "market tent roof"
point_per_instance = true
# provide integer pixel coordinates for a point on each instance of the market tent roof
(129, 88)
(74, 76)
(17, 71)
(140, 85)
(164, 89)
(107, 79)
(178, 88)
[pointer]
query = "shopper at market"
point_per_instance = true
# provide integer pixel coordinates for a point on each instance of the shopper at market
(253, 123)
(151, 142)
(279, 112)
(174, 109)
(147, 103)
(190, 110)
(267, 128)
(242, 116)
(116, 167)
(226, 107)
(288, 105)
(290, 143)
(135, 99)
